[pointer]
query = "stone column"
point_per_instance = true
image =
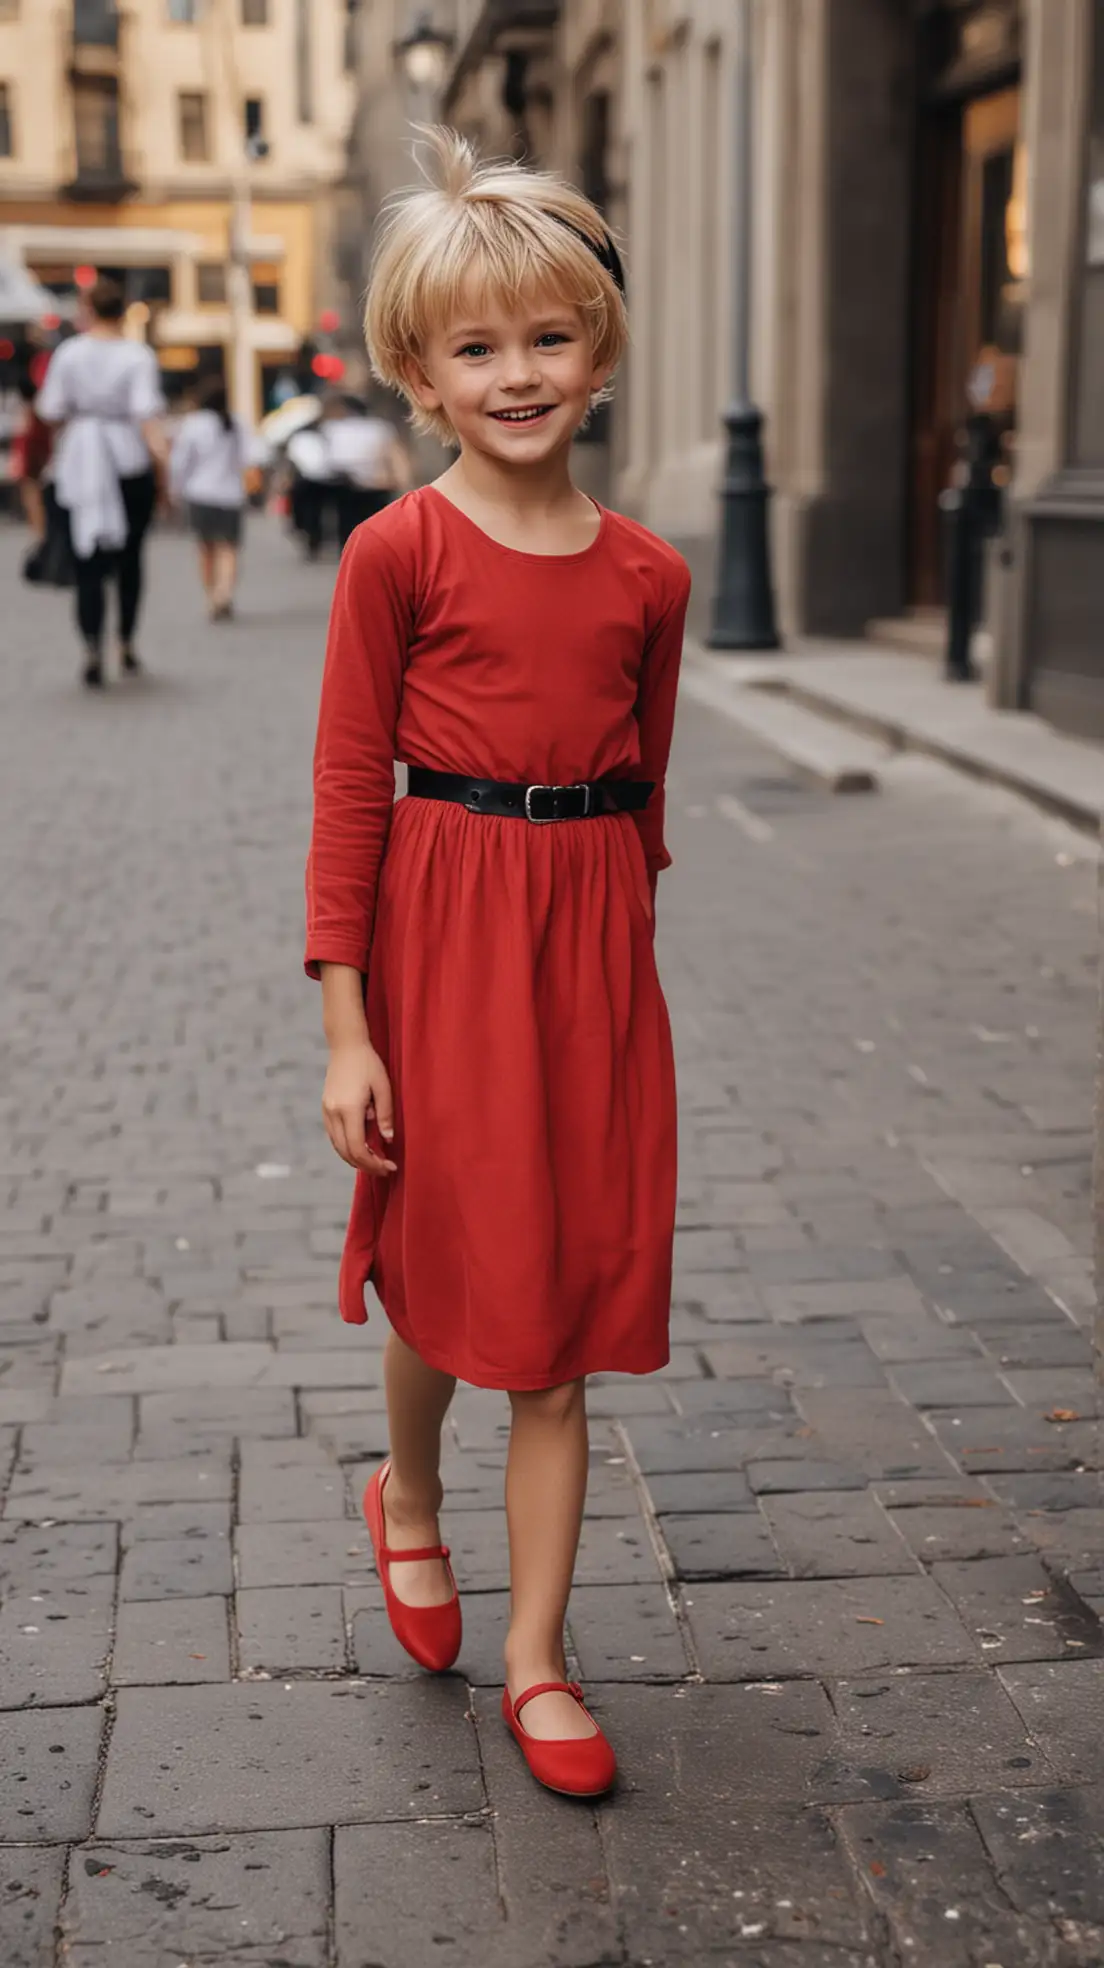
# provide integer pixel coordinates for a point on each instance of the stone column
(1055, 112)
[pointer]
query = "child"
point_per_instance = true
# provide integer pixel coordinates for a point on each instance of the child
(207, 470)
(500, 1072)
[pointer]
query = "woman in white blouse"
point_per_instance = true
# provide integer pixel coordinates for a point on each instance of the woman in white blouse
(105, 394)
(205, 470)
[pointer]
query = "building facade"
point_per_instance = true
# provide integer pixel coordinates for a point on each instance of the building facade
(190, 148)
(926, 262)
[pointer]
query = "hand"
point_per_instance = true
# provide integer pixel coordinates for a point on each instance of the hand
(357, 1092)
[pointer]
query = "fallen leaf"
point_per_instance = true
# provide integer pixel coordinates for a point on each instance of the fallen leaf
(1062, 1414)
(915, 1773)
(877, 1868)
(197, 1657)
(864, 1619)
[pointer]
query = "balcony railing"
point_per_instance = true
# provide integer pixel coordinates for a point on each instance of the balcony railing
(95, 24)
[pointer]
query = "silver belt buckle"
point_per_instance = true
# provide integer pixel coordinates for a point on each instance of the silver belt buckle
(536, 820)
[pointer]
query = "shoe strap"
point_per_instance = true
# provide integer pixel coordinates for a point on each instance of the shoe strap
(416, 1552)
(548, 1688)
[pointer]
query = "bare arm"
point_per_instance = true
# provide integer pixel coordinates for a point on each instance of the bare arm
(357, 1089)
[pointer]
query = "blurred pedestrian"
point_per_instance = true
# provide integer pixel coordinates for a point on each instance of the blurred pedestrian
(367, 462)
(104, 392)
(207, 472)
(30, 455)
(500, 1061)
(309, 491)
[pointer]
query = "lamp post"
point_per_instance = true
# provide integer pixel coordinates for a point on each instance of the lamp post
(743, 605)
(424, 53)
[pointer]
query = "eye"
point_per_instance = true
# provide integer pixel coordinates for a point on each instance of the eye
(474, 348)
(551, 338)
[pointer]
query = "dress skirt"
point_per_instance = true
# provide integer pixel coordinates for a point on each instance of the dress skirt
(512, 990)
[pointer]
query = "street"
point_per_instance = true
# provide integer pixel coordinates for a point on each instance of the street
(839, 1581)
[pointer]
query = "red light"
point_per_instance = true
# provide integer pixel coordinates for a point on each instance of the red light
(84, 277)
(329, 367)
(7, 350)
(50, 322)
(320, 364)
(329, 321)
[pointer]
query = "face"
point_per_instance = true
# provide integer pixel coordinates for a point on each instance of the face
(514, 385)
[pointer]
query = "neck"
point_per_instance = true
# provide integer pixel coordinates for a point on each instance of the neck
(543, 488)
(106, 330)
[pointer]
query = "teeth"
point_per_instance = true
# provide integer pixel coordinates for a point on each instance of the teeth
(519, 416)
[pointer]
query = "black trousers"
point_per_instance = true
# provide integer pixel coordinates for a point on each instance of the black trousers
(354, 503)
(123, 565)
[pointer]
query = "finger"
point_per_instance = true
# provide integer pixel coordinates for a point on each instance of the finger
(385, 1107)
(376, 1165)
(335, 1128)
(352, 1120)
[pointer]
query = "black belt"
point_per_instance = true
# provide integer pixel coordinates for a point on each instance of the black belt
(508, 799)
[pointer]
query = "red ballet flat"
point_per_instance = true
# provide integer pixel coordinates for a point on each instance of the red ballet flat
(430, 1634)
(582, 1767)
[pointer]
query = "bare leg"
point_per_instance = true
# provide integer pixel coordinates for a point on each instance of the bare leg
(546, 1479)
(207, 569)
(34, 506)
(225, 575)
(417, 1403)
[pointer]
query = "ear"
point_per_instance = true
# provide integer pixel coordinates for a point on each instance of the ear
(418, 386)
(600, 375)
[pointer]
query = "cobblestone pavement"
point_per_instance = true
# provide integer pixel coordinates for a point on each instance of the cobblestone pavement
(839, 1581)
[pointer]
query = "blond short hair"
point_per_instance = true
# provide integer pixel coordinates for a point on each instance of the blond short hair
(509, 230)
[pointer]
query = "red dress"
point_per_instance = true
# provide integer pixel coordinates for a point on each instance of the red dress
(511, 982)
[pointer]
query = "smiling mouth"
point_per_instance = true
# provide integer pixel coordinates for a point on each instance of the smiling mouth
(531, 415)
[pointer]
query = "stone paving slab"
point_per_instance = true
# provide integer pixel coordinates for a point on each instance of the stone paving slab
(30, 1895)
(552, 1867)
(413, 1896)
(930, 1875)
(49, 1757)
(821, 1626)
(258, 1898)
(916, 1735)
(276, 1755)
(232, 1363)
(161, 1641)
(1062, 1703)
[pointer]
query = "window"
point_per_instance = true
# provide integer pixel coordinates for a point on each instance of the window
(7, 147)
(211, 283)
(304, 91)
(254, 13)
(95, 24)
(184, 13)
(193, 126)
(1088, 392)
(96, 127)
(266, 296)
(254, 117)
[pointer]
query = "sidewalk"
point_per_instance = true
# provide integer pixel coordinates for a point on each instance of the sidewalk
(896, 702)
(841, 1568)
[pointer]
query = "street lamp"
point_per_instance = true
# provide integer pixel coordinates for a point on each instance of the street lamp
(424, 53)
(743, 606)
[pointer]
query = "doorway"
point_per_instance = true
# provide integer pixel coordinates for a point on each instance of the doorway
(970, 289)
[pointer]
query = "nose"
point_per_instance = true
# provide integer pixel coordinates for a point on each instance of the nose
(520, 368)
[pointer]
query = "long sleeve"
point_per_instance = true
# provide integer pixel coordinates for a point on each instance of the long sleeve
(182, 458)
(655, 715)
(354, 773)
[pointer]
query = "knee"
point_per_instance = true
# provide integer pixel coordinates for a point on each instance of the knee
(551, 1404)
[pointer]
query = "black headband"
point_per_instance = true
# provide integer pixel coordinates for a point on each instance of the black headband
(606, 254)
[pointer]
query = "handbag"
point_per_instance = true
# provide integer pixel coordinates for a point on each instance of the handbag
(51, 562)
